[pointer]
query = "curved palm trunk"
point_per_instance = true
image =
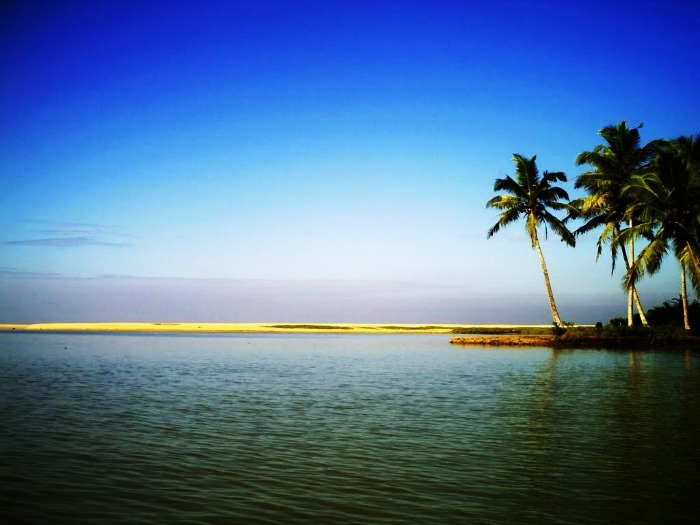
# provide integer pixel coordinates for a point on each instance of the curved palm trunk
(632, 294)
(630, 290)
(548, 286)
(684, 298)
(630, 309)
(642, 316)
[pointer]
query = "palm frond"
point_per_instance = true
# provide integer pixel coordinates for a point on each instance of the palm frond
(560, 228)
(591, 224)
(527, 194)
(552, 193)
(507, 217)
(648, 261)
(508, 185)
(549, 177)
(504, 202)
(608, 183)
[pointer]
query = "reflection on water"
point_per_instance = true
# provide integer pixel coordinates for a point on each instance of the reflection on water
(342, 429)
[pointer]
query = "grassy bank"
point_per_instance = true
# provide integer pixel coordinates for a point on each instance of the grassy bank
(589, 337)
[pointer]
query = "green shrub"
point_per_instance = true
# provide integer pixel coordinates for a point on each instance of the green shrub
(670, 313)
(558, 330)
(617, 321)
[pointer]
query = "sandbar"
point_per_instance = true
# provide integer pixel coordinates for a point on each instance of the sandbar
(275, 327)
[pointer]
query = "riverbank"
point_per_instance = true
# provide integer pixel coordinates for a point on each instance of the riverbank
(290, 328)
(465, 335)
(576, 341)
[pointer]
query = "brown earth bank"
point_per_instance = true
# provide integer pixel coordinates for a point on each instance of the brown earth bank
(576, 341)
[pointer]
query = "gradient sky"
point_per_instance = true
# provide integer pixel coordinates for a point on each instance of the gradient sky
(315, 161)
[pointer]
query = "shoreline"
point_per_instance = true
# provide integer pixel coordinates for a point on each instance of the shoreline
(576, 341)
(489, 335)
(284, 328)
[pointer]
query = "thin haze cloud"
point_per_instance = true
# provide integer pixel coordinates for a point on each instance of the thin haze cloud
(70, 235)
(63, 242)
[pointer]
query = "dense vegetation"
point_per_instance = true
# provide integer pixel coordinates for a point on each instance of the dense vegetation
(669, 314)
(637, 196)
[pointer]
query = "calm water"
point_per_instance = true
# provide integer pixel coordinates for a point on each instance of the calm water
(342, 429)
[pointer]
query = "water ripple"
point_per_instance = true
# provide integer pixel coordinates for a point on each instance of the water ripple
(383, 430)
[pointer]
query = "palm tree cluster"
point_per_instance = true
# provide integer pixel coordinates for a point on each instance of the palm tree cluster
(634, 193)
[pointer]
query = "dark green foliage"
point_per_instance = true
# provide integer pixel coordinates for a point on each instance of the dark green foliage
(665, 320)
(618, 327)
(616, 322)
(612, 167)
(666, 200)
(531, 196)
(653, 335)
(558, 330)
(670, 313)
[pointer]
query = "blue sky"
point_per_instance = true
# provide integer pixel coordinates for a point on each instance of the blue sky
(327, 161)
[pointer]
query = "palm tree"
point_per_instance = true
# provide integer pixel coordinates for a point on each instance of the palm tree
(531, 196)
(667, 200)
(613, 166)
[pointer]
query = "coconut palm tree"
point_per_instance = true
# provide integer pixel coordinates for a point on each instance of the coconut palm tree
(530, 196)
(613, 165)
(667, 202)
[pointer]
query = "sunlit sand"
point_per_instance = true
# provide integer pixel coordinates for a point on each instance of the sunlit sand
(254, 327)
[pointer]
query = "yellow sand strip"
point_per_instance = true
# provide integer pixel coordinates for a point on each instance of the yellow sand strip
(249, 327)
